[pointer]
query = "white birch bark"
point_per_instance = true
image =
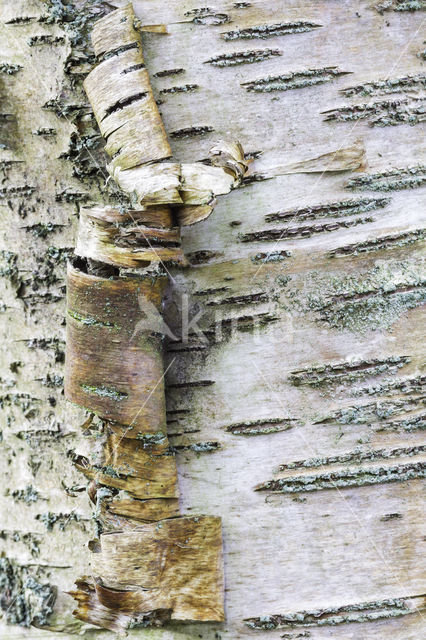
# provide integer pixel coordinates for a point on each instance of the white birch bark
(320, 269)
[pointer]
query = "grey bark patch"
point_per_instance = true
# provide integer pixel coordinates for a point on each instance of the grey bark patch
(264, 31)
(23, 599)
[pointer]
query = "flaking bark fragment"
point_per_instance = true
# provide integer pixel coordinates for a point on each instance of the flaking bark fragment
(129, 239)
(180, 569)
(121, 96)
(348, 158)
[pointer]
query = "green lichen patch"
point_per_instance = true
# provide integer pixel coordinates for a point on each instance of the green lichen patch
(372, 300)
(207, 16)
(392, 180)
(49, 344)
(184, 88)
(235, 58)
(82, 152)
(385, 113)
(52, 380)
(407, 425)
(30, 540)
(353, 457)
(9, 69)
(197, 447)
(272, 256)
(329, 210)
(335, 373)
(24, 401)
(346, 478)
(369, 413)
(49, 519)
(301, 231)
(331, 616)
(45, 132)
(42, 230)
(9, 266)
(261, 427)
(45, 39)
(389, 85)
(293, 80)
(104, 392)
(394, 241)
(151, 439)
(27, 495)
(401, 5)
(270, 30)
(400, 386)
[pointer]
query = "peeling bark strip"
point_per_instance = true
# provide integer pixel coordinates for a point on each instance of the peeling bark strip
(143, 573)
(111, 369)
(188, 587)
(343, 159)
(360, 612)
(131, 239)
(131, 124)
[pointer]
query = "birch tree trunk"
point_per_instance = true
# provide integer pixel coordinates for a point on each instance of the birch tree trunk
(295, 403)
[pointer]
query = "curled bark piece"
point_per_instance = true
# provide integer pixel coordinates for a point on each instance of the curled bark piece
(344, 159)
(123, 103)
(191, 214)
(158, 217)
(230, 156)
(113, 368)
(127, 241)
(152, 184)
(200, 183)
(121, 96)
(187, 184)
(180, 569)
(117, 29)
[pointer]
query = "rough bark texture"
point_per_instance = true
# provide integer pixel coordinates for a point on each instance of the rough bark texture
(300, 421)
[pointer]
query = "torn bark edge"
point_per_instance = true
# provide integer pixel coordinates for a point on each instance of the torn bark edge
(132, 240)
(120, 93)
(189, 586)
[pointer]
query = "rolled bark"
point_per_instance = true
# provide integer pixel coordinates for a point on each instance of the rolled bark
(114, 365)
